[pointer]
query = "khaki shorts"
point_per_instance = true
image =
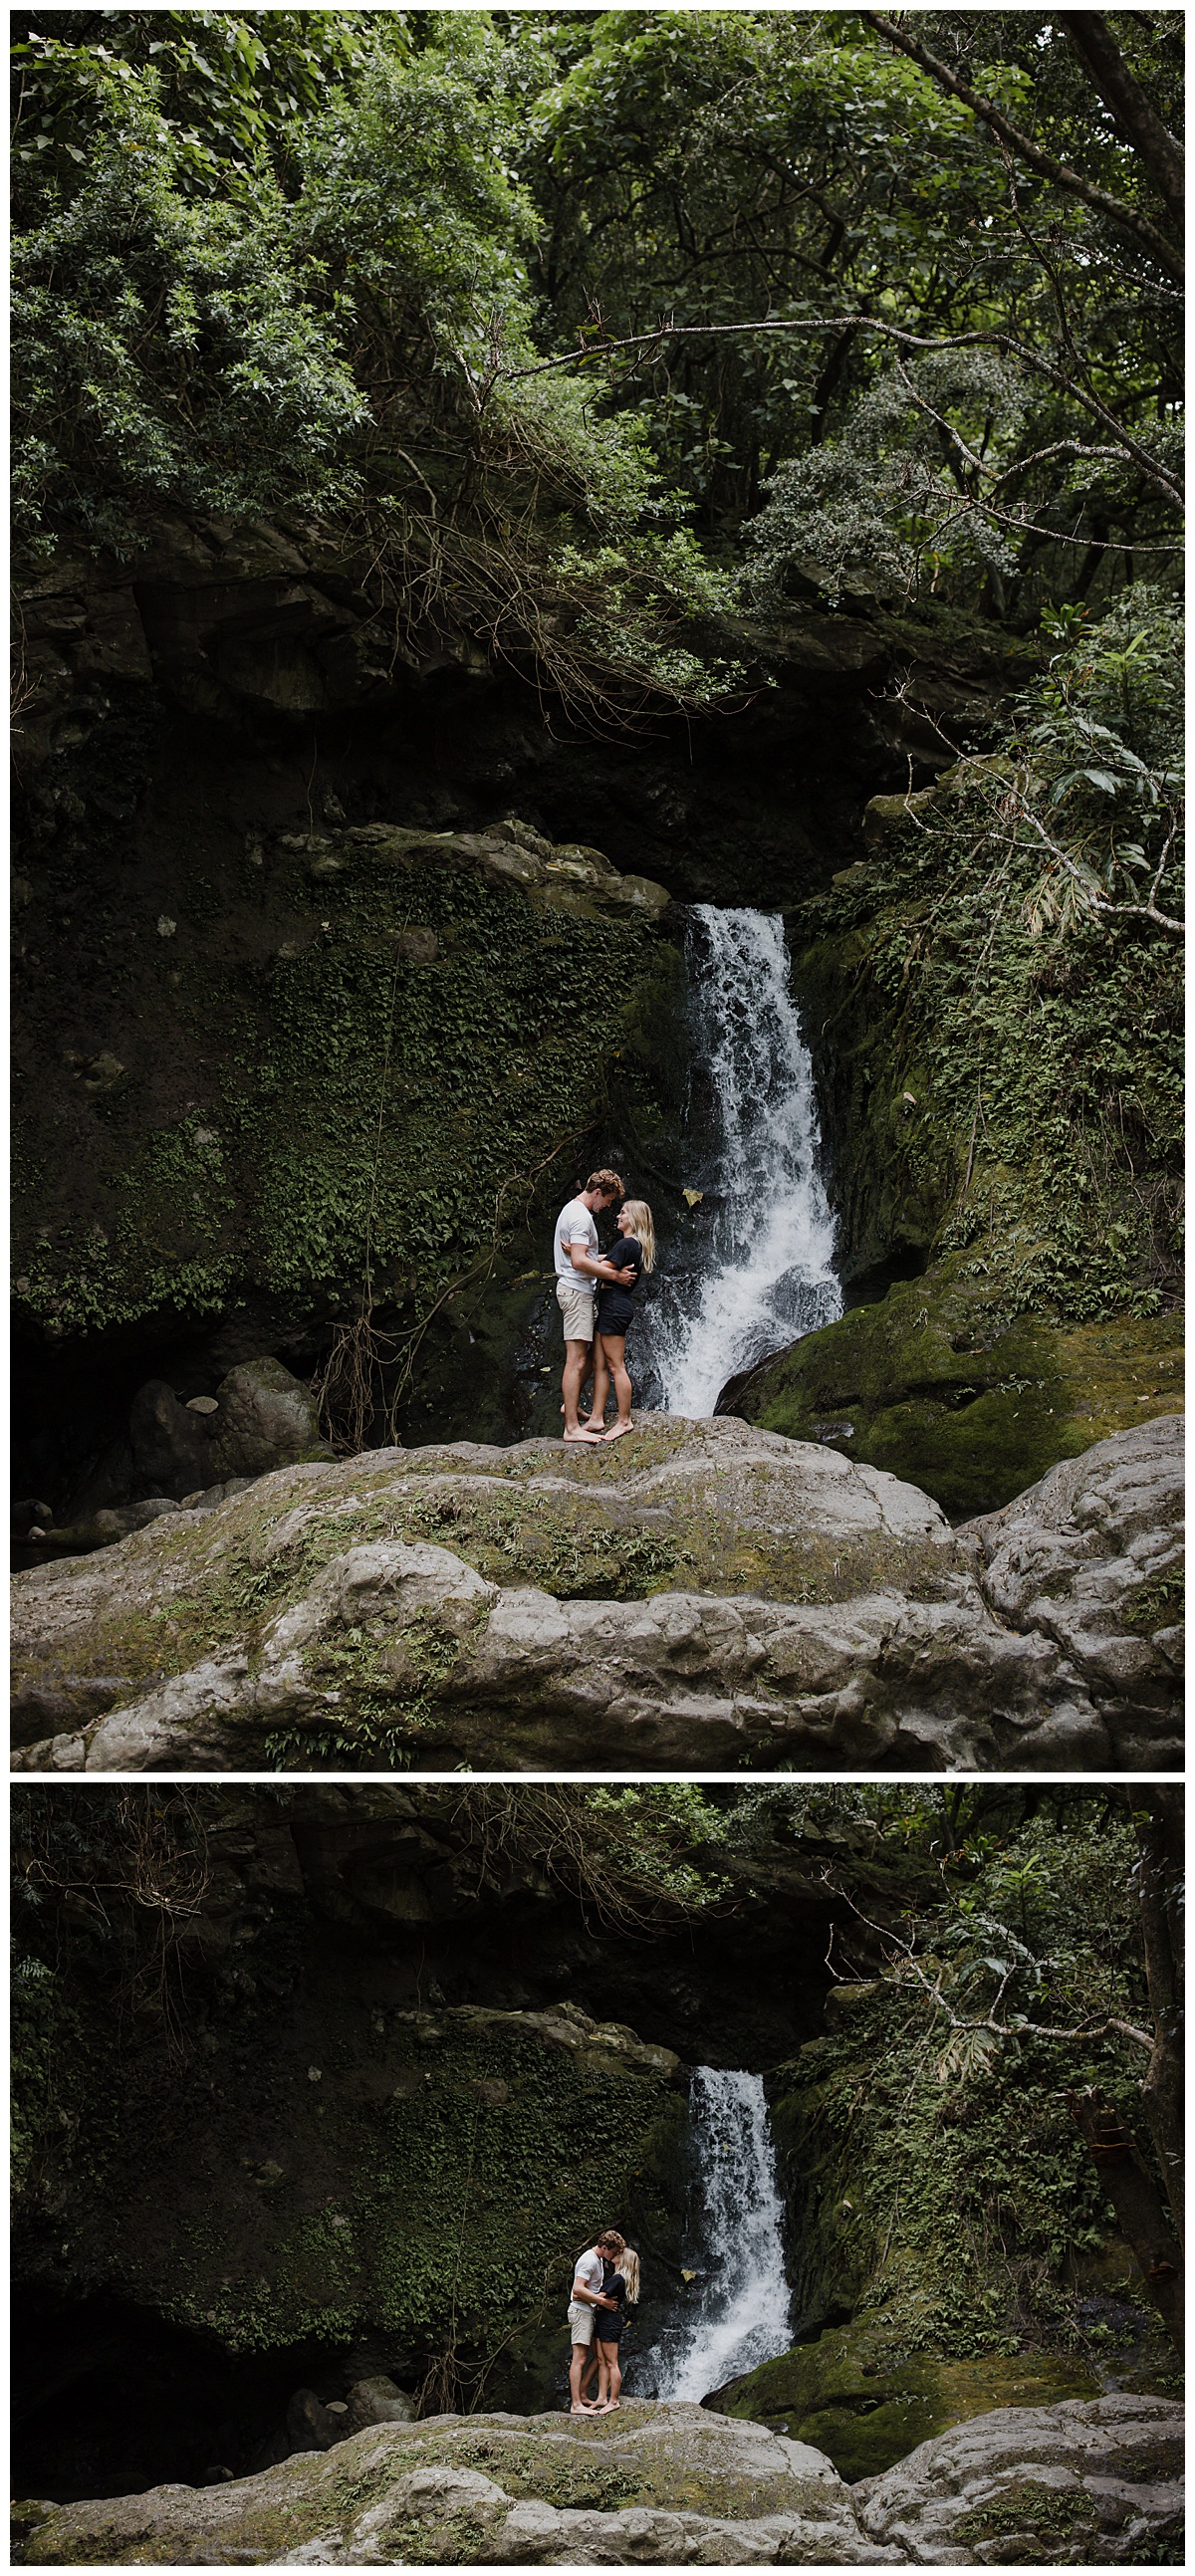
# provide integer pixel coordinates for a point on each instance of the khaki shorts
(580, 2319)
(577, 1307)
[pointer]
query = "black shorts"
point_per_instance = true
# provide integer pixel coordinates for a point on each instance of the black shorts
(609, 2328)
(613, 1315)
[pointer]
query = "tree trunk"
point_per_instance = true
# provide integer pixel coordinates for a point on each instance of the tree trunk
(1090, 37)
(1139, 2209)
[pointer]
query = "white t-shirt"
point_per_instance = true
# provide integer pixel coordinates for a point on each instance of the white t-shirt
(588, 2269)
(575, 1225)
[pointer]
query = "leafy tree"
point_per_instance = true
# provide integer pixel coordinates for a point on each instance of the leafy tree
(749, 212)
(284, 268)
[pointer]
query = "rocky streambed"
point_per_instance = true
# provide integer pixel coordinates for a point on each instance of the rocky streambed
(1073, 2484)
(702, 1594)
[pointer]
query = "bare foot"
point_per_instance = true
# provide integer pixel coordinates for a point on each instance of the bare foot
(618, 1430)
(590, 1438)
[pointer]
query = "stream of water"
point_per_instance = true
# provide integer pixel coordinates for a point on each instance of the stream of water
(738, 2313)
(763, 1272)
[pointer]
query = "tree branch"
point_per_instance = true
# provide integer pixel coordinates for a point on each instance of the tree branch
(1089, 36)
(1155, 474)
(1114, 208)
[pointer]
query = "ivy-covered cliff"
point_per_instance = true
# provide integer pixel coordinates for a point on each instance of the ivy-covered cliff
(321, 2082)
(351, 496)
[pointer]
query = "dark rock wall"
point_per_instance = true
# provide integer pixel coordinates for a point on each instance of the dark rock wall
(197, 1030)
(272, 2144)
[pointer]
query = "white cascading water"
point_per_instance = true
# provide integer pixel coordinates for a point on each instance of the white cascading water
(764, 1278)
(741, 2310)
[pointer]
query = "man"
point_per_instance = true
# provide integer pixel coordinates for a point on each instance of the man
(588, 2295)
(578, 1265)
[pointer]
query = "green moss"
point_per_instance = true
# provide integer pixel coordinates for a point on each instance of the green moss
(436, 2179)
(1159, 1604)
(845, 2393)
(1028, 2506)
(940, 1384)
(355, 1085)
(994, 1085)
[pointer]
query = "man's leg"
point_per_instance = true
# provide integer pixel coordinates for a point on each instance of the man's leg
(601, 1383)
(576, 1370)
(581, 2356)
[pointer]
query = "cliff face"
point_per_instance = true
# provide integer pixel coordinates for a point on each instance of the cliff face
(351, 2110)
(283, 986)
(357, 2118)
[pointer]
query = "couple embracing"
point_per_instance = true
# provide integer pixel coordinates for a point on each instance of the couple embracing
(605, 2285)
(595, 1300)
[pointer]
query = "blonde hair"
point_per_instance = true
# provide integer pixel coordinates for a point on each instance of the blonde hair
(642, 1226)
(629, 2268)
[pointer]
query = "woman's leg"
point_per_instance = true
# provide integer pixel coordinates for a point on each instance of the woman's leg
(610, 2391)
(614, 1358)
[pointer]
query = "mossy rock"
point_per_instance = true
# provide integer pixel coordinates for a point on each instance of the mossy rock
(325, 2166)
(939, 1385)
(384, 1034)
(842, 2394)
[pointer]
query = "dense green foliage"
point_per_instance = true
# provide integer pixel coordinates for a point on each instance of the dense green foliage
(332, 260)
(1036, 892)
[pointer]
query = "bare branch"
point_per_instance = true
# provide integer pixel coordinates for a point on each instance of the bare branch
(1089, 36)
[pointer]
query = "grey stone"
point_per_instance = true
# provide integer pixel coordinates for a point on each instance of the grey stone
(106, 1528)
(1089, 2480)
(1096, 2481)
(171, 1447)
(935, 1650)
(378, 2401)
(266, 1419)
(309, 2426)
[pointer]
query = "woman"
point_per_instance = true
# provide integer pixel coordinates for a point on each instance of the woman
(622, 2286)
(615, 1307)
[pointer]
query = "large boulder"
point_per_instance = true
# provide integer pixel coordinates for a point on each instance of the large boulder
(706, 1594)
(1072, 2484)
(1079, 2484)
(378, 2401)
(265, 1418)
(661, 2485)
(171, 1446)
(935, 1383)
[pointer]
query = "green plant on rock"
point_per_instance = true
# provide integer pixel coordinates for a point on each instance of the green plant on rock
(1014, 936)
(944, 2219)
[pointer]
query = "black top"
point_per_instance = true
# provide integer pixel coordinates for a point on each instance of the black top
(614, 1304)
(609, 2322)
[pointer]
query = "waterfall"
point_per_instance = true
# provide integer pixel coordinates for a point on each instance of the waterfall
(763, 1273)
(740, 2302)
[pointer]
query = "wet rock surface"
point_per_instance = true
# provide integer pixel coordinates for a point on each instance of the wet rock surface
(1072, 2484)
(757, 1600)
